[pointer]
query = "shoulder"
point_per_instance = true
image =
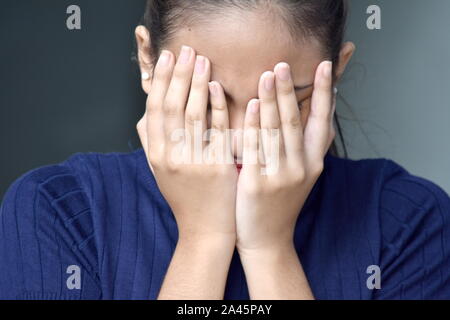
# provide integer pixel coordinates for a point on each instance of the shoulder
(412, 217)
(407, 217)
(363, 170)
(80, 172)
(415, 230)
(358, 181)
(47, 220)
(410, 198)
(401, 198)
(388, 178)
(72, 186)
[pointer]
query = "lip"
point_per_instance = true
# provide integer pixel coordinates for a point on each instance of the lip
(238, 165)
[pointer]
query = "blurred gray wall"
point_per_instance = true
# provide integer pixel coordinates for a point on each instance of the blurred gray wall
(65, 91)
(398, 86)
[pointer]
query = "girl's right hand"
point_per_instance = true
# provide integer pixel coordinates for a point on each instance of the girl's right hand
(201, 195)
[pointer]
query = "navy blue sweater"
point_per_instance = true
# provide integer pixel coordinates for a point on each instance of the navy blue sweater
(97, 227)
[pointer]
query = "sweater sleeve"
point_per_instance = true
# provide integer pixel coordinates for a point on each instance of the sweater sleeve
(415, 236)
(47, 247)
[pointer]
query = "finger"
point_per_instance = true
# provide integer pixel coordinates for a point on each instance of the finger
(270, 118)
(291, 124)
(317, 129)
(195, 116)
(252, 126)
(154, 107)
(219, 120)
(142, 132)
(332, 128)
(177, 94)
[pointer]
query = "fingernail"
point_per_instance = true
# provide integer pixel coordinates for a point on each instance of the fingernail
(164, 59)
(327, 69)
(212, 88)
(269, 81)
(185, 54)
(284, 72)
(200, 65)
(255, 106)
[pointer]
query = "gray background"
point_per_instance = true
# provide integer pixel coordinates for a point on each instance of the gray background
(63, 92)
(398, 86)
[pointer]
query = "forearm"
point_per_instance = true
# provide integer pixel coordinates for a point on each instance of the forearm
(275, 275)
(198, 270)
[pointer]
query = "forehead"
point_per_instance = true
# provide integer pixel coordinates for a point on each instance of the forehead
(241, 48)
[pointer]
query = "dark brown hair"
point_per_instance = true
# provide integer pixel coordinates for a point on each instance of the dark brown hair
(324, 20)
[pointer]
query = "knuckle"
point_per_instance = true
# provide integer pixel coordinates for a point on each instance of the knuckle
(285, 89)
(318, 115)
(199, 84)
(333, 133)
(151, 106)
(267, 100)
(170, 107)
(272, 125)
(193, 118)
(172, 168)
(317, 168)
(251, 139)
(170, 110)
(294, 122)
(278, 185)
(300, 175)
(252, 125)
(155, 161)
(272, 137)
(218, 107)
(180, 73)
(329, 116)
(324, 86)
(140, 126)
(219, 126)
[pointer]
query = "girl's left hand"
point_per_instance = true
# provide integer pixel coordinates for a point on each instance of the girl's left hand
(268, 205)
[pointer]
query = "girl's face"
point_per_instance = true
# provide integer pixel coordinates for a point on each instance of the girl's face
(241, 49)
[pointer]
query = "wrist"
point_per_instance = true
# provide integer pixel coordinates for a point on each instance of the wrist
(274, 253)
(275, 273)
(207, 241)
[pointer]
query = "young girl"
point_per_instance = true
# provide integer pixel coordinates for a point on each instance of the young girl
(146, 225)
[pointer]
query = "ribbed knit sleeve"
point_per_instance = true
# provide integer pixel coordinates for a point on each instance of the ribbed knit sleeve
(415, 236)
(47, 247)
